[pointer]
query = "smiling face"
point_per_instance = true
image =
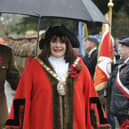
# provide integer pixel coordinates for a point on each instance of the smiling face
(57, 47)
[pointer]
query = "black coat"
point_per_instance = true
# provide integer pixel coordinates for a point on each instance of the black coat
(118, 103)
(91, 61)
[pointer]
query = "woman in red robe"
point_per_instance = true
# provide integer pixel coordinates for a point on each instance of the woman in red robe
(56, 90)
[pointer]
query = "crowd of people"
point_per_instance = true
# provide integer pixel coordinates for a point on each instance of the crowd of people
(56, 89)
(117, 98)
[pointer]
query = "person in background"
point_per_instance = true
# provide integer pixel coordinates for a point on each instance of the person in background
(90, 58)
(117, 56)
(9, 72)
(118, 88)
(56, 87)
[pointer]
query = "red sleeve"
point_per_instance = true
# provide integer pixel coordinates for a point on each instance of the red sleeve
(93, 106)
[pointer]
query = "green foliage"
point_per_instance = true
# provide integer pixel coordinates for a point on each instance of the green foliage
(120, 16)
(120, 25)
(27, 23)
(71, 24)
(31, 23)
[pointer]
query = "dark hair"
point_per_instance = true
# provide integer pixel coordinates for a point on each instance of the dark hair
(69, 55)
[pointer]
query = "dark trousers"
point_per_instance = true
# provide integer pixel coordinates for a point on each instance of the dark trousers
(111, 120)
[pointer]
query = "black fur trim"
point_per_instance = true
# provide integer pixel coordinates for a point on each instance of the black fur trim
(68, 104)
(93, 119)
(16, 122)
(99, 108)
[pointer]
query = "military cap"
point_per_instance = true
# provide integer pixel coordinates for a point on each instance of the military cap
(93, 38)
(59, 31)
(124, 41)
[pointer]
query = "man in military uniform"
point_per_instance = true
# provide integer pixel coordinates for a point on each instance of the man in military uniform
(119, 87)
(90, 58)
(8, 72)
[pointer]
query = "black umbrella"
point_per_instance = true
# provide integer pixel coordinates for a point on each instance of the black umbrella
(84, 10)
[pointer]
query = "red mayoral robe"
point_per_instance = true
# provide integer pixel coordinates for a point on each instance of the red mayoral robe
(37, 105)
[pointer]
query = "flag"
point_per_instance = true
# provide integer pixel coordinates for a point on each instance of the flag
(82, 34)
(105, 58)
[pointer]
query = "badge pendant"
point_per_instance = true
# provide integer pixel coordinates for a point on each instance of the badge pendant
(61, 88)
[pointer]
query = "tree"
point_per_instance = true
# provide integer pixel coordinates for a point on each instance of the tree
(31, 23)
(120, 25)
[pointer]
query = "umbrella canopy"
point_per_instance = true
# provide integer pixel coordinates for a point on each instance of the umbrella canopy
(84, 10)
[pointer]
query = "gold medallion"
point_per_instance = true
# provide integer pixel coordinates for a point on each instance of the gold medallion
(61, 88)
